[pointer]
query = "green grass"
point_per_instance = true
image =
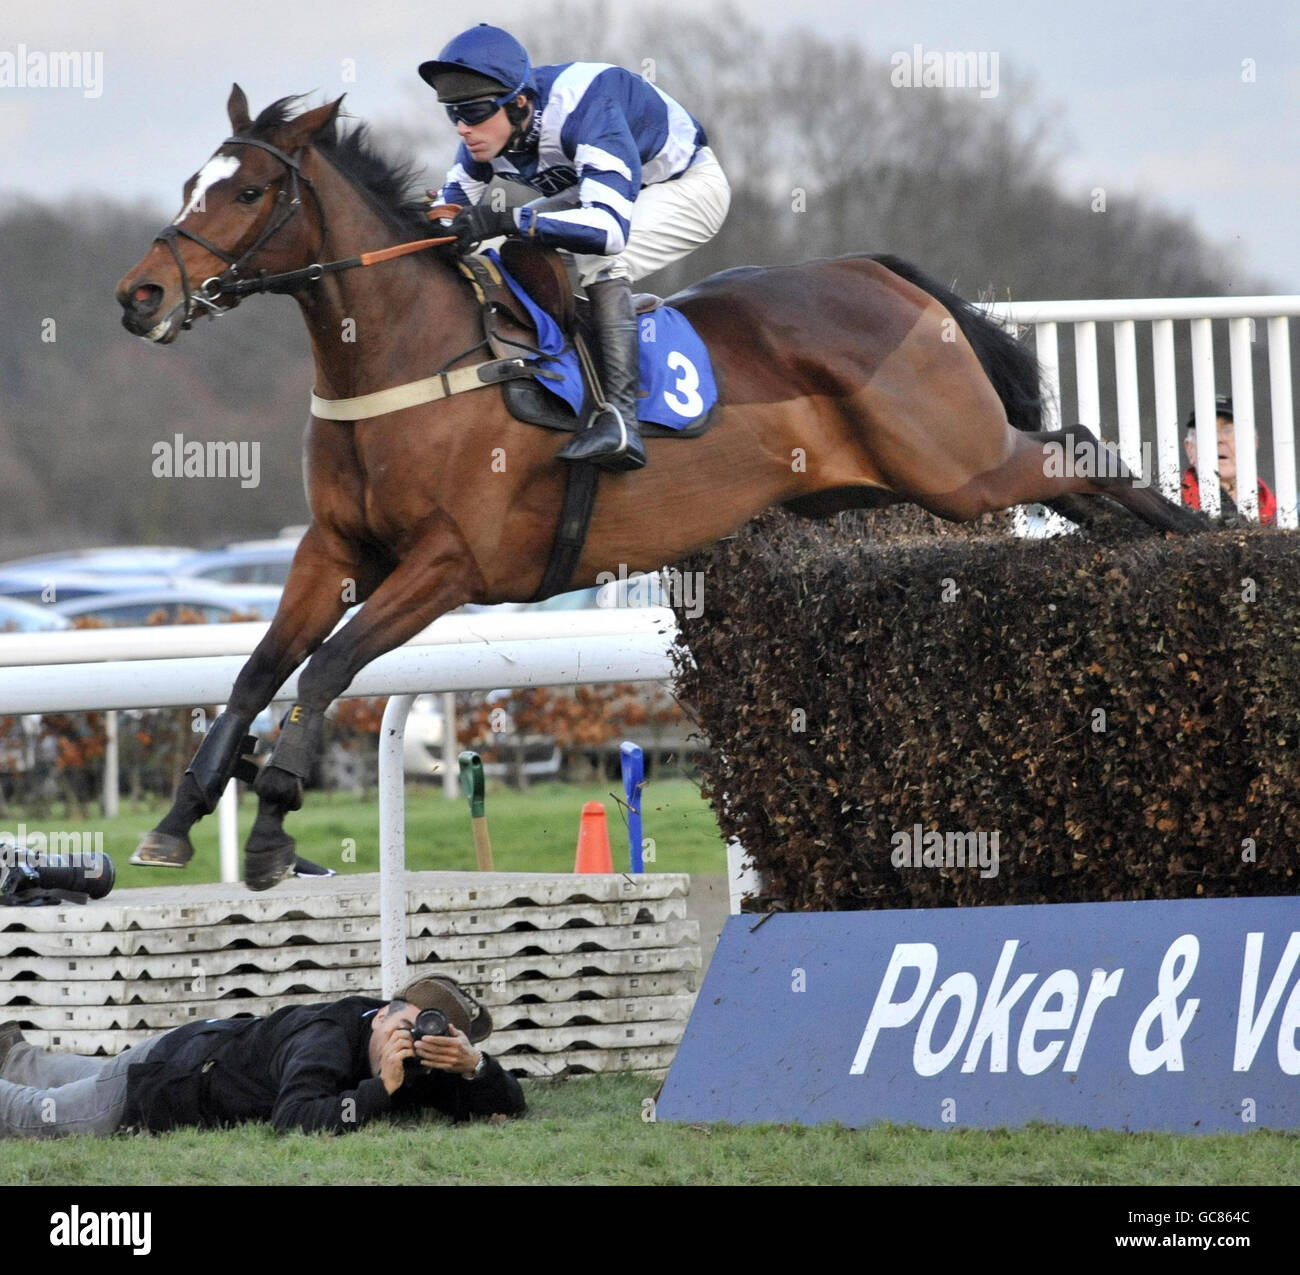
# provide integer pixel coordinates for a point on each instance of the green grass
(532, 831)
(590, 1131)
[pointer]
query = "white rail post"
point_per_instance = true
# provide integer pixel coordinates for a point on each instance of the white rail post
(1085, 372)
(1279, 383)
(450, 767)
(742, 876)
(1207, 428)
(1169, 461)
(110, 764)
(1047, 522)
(228, 828)
(228, 832)
(1038, 520)
(1243, 416)
(1049, 363)
(392, 845)
(1126, 398)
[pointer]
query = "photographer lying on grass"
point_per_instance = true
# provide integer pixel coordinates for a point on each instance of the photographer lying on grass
(335, 1066)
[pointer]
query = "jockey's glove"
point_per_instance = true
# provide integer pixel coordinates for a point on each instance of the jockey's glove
(472, 225)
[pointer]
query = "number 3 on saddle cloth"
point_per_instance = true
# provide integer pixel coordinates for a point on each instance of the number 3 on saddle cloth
(678, 390)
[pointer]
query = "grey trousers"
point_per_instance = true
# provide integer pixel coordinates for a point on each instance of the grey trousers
(44, 1095)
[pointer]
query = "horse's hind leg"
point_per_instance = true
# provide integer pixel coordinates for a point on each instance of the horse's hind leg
(1113, 478)
(1083, 511)
(1093, 512)
(1048, 465)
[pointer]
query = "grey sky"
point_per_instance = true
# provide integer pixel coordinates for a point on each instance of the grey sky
(1150, 98)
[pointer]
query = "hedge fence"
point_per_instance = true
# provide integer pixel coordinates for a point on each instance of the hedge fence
(1118, 717)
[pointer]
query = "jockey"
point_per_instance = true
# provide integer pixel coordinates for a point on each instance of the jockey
(627, 180)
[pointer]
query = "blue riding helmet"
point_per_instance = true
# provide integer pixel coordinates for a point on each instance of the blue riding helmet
(485, 51)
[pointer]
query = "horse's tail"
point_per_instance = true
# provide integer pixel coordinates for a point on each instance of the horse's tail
(1007, 363)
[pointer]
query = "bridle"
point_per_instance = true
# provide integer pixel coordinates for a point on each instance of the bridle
(228, 283)
(288, 201)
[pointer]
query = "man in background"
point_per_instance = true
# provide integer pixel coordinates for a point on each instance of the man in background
(1227, 468)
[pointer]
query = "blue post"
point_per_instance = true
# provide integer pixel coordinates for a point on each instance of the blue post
(632, 760)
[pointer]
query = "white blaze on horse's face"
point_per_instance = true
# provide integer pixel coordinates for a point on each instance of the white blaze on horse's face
(217, 169)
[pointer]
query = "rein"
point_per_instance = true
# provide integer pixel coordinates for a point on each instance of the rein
(582, 479)
(442, 384)
(229, 284)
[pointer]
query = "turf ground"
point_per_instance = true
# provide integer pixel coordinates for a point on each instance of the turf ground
(591, 1130)
(532, 831)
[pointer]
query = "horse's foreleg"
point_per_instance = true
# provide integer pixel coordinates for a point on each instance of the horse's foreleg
(437, 573)
(312, 602)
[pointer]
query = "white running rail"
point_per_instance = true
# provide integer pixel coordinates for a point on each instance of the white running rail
(90, 671)
(1243, 316)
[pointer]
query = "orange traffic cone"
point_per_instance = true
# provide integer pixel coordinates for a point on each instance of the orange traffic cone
(593, 841)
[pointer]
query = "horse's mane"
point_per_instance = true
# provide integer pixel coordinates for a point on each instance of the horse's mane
(392, 186)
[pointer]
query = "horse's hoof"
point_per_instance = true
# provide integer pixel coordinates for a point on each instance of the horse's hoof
(161, 850)
(269, 865)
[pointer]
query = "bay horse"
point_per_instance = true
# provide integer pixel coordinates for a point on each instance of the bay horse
(854, 382)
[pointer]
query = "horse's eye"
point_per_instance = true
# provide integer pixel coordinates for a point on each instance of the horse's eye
(250, 194)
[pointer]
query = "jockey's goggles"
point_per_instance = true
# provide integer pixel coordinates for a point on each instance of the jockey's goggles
(479, 109)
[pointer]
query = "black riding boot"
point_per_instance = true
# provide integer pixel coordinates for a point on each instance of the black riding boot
(612, 440)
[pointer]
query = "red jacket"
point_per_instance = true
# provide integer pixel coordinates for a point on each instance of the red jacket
(1267, 501)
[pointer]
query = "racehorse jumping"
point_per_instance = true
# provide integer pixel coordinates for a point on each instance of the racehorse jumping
(848, 383)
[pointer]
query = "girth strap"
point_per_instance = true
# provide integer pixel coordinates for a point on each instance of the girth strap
(575, 518)
(579, 497)
(413, 393)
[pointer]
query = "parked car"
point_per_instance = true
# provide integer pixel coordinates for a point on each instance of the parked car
(213, 602)
(51, 586)
(27, 617)
(246, 562)
(116, 560)
(538, 756)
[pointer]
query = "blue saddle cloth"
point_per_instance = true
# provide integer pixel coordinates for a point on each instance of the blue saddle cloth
(676, 372)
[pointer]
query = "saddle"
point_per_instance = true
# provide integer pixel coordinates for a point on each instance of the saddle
(511, 333)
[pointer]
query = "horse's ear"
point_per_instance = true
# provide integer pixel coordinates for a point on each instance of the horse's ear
(237, 109)
(300, 130)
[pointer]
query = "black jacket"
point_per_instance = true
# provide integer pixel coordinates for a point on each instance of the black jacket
(303, 1067)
